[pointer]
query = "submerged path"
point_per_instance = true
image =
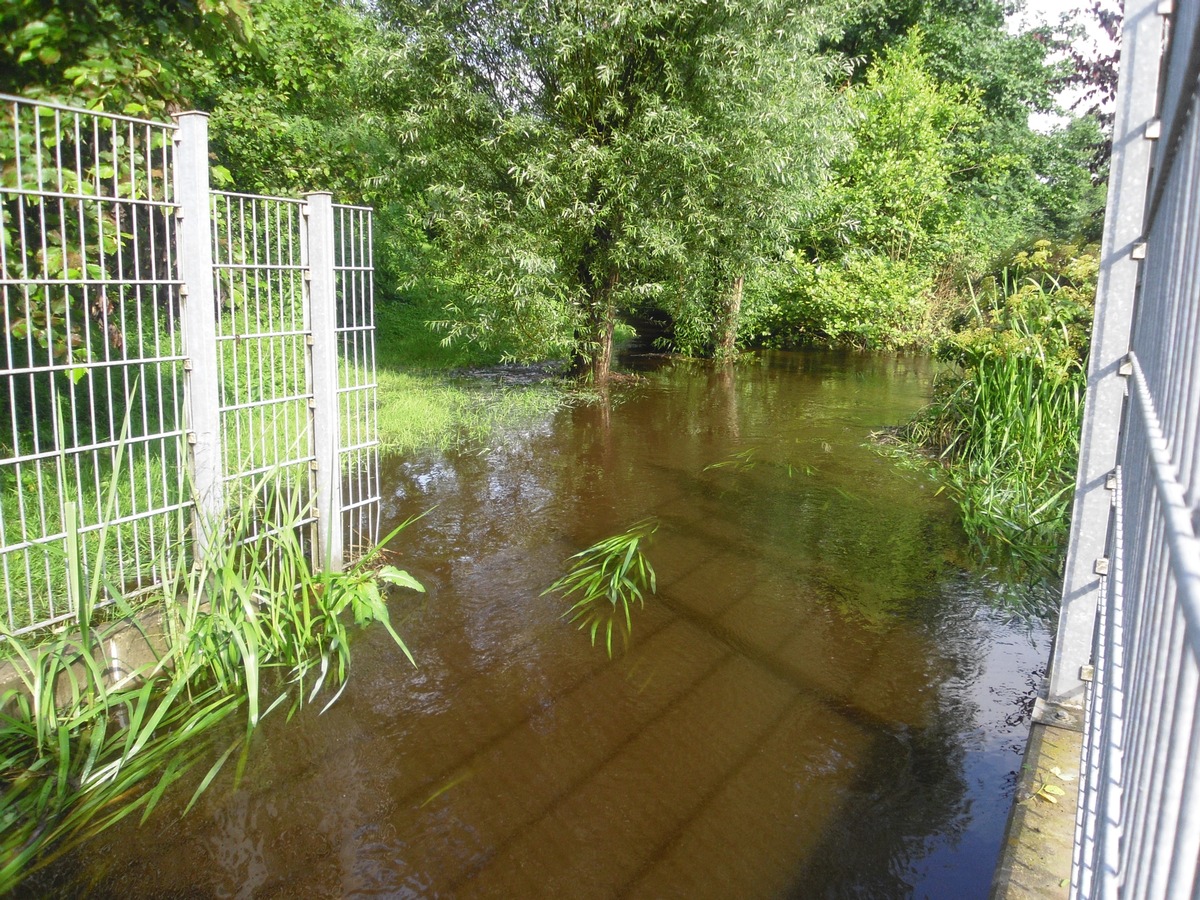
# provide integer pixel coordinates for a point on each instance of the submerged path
(824, 698)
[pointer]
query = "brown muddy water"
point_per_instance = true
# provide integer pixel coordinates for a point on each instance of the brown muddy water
(822, 700)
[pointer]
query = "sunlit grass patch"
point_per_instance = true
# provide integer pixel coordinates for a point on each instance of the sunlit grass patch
(430, 412)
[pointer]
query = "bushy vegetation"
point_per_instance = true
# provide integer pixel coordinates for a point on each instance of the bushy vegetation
(1006, 420)
(84, 743)
(758, 173)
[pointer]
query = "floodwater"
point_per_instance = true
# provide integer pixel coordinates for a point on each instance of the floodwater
(821, 701)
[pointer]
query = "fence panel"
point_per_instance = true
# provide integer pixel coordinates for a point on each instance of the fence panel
(357, 389)
(120, 331)
(90, 386)
(1138, 829)
(260, 266)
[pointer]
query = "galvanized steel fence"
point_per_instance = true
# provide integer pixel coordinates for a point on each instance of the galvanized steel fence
(1128, 645)
(168, 349)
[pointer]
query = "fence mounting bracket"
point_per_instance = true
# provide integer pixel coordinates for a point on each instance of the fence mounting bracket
(1057, 715)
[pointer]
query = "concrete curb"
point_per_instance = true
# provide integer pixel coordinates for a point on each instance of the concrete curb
(126, 650)
(1038, 850)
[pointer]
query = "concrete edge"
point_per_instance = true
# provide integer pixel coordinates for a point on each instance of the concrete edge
(1038, 851)
(126, 651)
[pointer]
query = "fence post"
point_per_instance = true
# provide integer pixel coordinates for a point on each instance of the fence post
(322, 299)
(197, 319)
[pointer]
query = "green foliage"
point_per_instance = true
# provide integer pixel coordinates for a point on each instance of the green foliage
(862, 300)
(1007, 425)
(79, 753)
(535, 173)
(969, 44)
(69, 769)
(890, 218)
(119, 55)
(894, 195)
(606, 579)
(598, 164)
(56, 246)
(255, 602)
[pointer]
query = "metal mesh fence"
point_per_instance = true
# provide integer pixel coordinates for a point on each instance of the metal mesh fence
(1138, 828)
(109, 374)
(90, 394)
(263, 338)
(357, 393)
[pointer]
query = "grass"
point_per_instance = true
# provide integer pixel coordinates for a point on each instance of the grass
(248, 626)
(425, 403)
(420, 412)
(1009, 438)
(149, 475)
(404, 340)
(605, 580)
(70, 770)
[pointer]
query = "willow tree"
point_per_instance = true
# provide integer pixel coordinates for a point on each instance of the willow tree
(773, 130)
(599, 176)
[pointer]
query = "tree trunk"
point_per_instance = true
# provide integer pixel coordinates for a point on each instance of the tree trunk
(593, 354)
(730, 317)
(602, 319)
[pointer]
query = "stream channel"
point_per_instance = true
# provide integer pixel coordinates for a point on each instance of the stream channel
(825, 698)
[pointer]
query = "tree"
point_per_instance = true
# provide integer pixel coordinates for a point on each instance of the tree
(1019, 184)
(892, 215)
(771, 152)
(620, 139)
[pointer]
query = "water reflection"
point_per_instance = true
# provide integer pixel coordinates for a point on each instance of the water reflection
(815, 704)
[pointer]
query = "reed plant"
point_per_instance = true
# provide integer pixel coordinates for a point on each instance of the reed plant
(1005, 423)
(256, 604)
(248, 625)
(69, 768)
(606, 580)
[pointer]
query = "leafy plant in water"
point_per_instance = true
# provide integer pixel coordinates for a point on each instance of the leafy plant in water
(68, 770)
(257, 603)
(606, 579)
(78, 754)
(1006, 425)
(76, 750)
(741, 460)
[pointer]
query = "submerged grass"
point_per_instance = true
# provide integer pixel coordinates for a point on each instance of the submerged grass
(606, 579)
(250, 625)
(432, 412)
(426, 403)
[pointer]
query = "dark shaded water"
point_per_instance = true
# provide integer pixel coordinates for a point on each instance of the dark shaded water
(819, 703)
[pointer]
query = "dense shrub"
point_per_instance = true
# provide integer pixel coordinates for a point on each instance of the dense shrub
(1006, 419)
